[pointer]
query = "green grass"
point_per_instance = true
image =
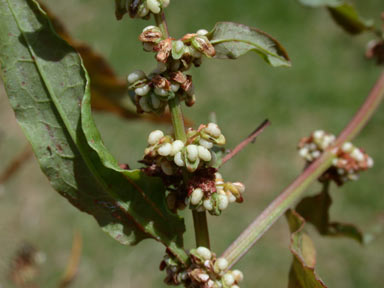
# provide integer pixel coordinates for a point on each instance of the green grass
(328, 81)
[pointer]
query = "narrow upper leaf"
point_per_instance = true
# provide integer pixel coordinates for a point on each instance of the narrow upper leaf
(46, 83)
(344, 14)
(315, 210)
(232, 40)
(302, 274)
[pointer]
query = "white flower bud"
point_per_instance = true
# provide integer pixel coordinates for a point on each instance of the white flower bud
(208, 205)
(143, 12)
(205, 143)
(192, 152)
(238, 275)
(144, 105)
(239, 186)
(177, 146)
(194, 53)
(165, 149)
(154, 6)
(202, 32)
(179, 46)
(166, 167)
(161, 67)
(231, 198)
(149, 27)
(318, 134)
(221, 264)
(357, 155)
(136, 76)
(347, 147)
(156, 103)
(303, 152)
(223, 201)
(161, 92)
(204, 253)
(204, 277)
(211, 284)
(178, 159)
(196, 196)
(155, 136)
(142, 91)
(235, 286)
(228, 279)
(213, 130)
(175, 87)
(316, 154)
(204, 154)
(370, 162)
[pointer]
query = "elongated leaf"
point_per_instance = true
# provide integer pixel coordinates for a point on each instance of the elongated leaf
(232, 40)
(315, 210)
(344, 14)
(302, 274)
(46, 83)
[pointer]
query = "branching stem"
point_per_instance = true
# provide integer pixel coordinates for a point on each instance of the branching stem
(199, 218)
(294, 191)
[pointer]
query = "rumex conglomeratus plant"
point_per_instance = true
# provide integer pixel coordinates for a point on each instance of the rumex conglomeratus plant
(49, 90)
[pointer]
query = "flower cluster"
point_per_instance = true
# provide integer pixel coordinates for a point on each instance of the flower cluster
(349, 162)
(203, 271)
(151, 93)
(195, 153)
(215, 199)
(178, 54)
(140, 8)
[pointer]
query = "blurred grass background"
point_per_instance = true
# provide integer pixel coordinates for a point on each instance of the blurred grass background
(328, 81)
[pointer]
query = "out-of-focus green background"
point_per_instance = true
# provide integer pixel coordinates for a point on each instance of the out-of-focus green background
(328, 81)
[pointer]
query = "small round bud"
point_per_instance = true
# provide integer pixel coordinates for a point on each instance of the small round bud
(357, 155)
(205, 143)
(149, 28)
(166, 167)
(347, 147)
(144, 105)
(178, 159)
(165, 149)
(177, 146)
(316, 154)
(228, 279)
(238, 275)
(154, 6)
(196, 196)
(235, 286)
(202, 32)
(370, 162)
(303, 152)
(204, 277)
(192, 152)
(142, 91)
(179, 46)
(221, 264)
(239, 186)
(204, 154)
(143, 11)
(155, 136)
(136, 76)
(165, 3)
(318, 134)
(213, 130)
(231, 198)
(156, 103)
(223, 201)
(148, 47)
(204, 253)
(175, 87)
(161, 92)
(208, 204)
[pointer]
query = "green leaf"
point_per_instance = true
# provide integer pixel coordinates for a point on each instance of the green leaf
(47, 86)
(302, 273)
(232, 40)
(344, 14)
(315, 210)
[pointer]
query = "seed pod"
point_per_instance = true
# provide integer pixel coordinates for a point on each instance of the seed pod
(151, 34)
(203, 45)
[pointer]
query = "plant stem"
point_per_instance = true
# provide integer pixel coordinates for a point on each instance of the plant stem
(199, 218)
(293, 192)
